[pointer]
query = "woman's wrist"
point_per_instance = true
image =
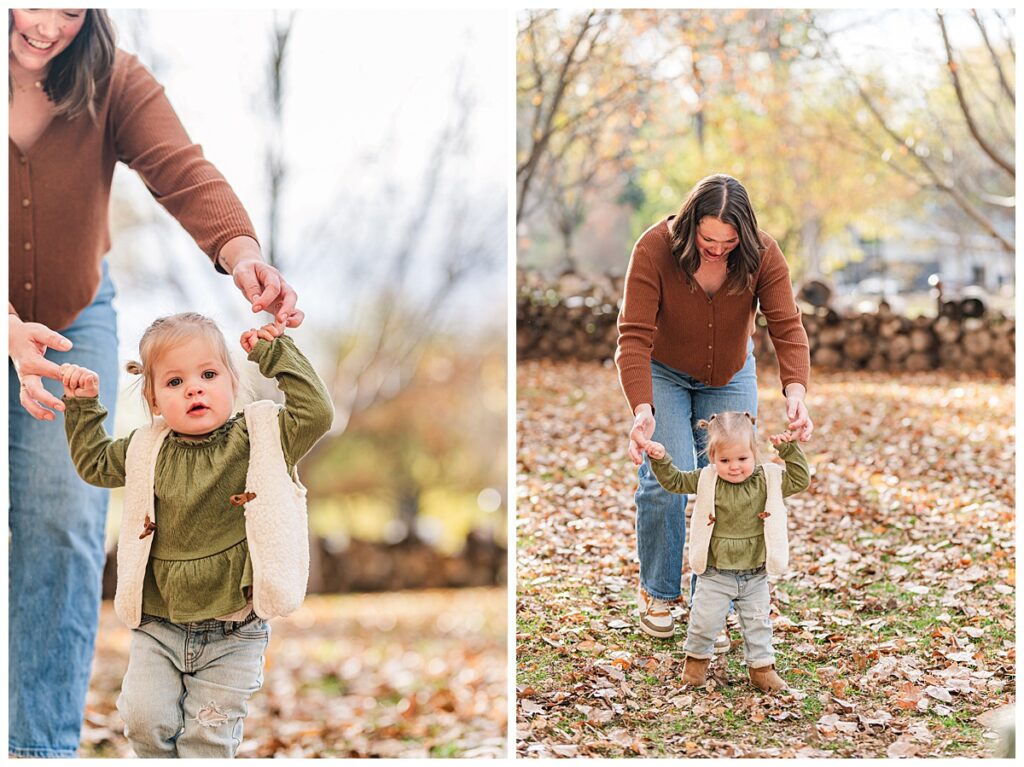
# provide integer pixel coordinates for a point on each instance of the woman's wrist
(795, 390)
(643, 408)
(238, 250)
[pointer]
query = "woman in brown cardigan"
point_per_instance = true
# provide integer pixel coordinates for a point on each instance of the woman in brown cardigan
(694, 283)
(78, 105)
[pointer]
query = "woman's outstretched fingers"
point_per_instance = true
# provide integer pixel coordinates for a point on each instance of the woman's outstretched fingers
(36, 399)
(284, 307)
(799, 419)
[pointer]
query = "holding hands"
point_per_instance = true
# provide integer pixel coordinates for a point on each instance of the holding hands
(79, 381)
(27, 343)
(655, 450)
(263, 286)
(786, 436)
(268, 332)
(640, 434)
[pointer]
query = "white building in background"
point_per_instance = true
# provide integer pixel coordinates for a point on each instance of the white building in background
(903, 262)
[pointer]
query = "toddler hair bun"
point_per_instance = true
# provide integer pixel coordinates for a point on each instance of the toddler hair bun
(133, 367)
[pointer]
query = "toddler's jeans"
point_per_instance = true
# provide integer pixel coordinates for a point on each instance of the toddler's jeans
(748, 591)
(187, 685)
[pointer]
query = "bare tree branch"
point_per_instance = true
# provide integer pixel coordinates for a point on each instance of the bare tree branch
(996, 63)
(276, 168)
(938, 181)
(964, 108)
(540, 140)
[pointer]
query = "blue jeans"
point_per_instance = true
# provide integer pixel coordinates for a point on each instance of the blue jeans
(679, 403)
(716, 590)
(187, 686)
(56, 551)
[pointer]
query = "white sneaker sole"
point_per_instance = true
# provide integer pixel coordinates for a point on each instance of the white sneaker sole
(656, 632)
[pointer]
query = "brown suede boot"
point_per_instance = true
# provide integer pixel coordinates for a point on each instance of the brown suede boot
(695, 671)
(766, 679)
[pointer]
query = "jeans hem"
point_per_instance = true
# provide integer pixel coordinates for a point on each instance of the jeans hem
(41, 753)
(659, 596)
(699, 656)
(760, 662)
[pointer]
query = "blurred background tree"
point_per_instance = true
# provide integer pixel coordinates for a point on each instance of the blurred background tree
(873, 143)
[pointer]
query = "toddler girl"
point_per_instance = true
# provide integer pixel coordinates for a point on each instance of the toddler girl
(737, 535)
(213, 535)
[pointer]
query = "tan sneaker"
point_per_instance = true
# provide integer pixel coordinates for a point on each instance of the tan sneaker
(766, 680)
(655, 615)
(695, 671)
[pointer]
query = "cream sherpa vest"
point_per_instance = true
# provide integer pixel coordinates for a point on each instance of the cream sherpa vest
(776, 537)
(275, 519)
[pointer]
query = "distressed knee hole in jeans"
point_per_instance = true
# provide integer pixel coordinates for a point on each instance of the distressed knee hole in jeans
(211, 716)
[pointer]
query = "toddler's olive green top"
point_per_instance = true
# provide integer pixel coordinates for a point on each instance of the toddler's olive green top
(737, 541)
(199, 565)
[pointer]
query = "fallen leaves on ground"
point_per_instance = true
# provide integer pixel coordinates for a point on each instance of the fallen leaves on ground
(894, 627)
(405, 674)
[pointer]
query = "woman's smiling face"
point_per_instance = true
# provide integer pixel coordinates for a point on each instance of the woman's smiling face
(715, 239)
(41, 34)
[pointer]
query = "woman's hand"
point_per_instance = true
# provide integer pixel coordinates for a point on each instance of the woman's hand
(796, 412)
(27, 343)
(268, 332)
(262, 285)
(641, 433)
(79, 381)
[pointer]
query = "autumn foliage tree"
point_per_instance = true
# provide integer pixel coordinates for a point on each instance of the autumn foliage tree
(825, 150)
(954, 139)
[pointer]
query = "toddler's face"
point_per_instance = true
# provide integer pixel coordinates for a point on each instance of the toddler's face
(734, 462)
(192, 388)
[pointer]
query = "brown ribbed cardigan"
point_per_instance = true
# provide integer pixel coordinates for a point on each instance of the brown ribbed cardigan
(59, 192)
(706, 338)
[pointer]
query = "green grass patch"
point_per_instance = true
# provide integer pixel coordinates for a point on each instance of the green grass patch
(445, 751)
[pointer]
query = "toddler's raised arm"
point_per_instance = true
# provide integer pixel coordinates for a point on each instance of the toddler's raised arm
(671, 478)
(98, 459)
(797, 475)
(308, 411)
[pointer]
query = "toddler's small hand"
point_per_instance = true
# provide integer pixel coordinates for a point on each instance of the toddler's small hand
(269, 332)
(79, 381)
(655, 450)
(786, 436)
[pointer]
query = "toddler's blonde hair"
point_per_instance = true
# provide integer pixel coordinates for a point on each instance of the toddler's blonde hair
(167, 332)
(729, 428)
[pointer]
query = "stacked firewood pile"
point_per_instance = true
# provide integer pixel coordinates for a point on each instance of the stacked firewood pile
(571, 318)
(884, 341)
(575, 318)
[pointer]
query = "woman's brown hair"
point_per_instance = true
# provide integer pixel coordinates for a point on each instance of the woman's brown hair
(722, 197)
(76, 75)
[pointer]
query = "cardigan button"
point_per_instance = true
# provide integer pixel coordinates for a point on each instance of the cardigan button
(25, 202)
(28, 246)
(27, 286)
